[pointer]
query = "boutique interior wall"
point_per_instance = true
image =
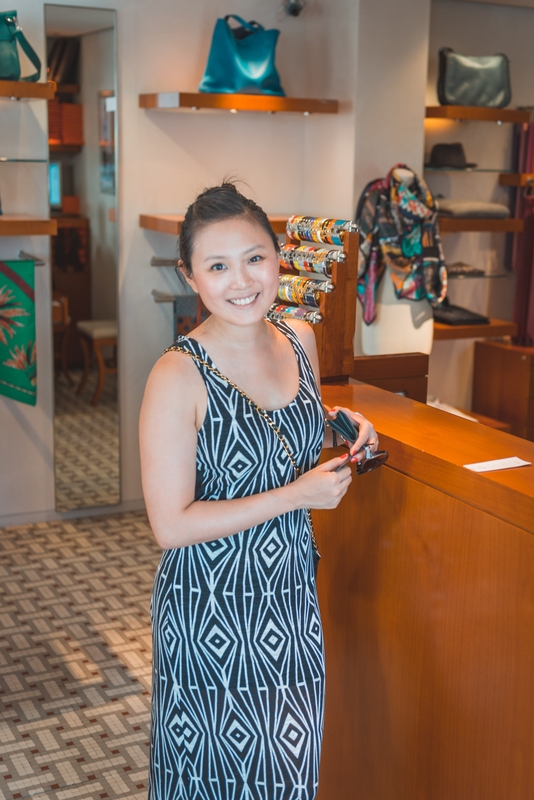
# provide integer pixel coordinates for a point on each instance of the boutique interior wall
(371, 54)
(478, 29)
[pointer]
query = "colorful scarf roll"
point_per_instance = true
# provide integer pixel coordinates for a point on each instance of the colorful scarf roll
(400, 229)
(18, 369)
(280, 312)
(302, 291)
(314, 229)
(309, 259)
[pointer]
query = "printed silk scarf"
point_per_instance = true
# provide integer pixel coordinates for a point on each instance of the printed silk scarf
(18, 370)
(399, 228)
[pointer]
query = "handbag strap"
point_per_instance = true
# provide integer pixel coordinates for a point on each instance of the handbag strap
(16, 31)
(263, 414)
(250, 26)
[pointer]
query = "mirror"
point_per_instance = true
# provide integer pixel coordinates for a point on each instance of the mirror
(81, 55)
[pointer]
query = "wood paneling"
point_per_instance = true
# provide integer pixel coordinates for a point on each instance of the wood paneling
(503, 384)
(477, 113)
(496, 327)
(405, 373)
(427, 602)
(432, 447)
(428, 611)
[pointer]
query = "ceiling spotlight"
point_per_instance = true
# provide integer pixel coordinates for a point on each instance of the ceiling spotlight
(294, 7)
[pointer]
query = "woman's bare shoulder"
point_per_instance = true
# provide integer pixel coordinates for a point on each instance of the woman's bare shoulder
(305, 333)
(175, 377)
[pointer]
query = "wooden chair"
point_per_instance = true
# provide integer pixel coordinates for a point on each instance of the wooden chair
(61, 328)
(96, 334)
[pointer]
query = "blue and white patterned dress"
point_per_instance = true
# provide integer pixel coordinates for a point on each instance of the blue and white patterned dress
(238, 662)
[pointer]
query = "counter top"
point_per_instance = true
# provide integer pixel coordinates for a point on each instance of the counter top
(432, 446)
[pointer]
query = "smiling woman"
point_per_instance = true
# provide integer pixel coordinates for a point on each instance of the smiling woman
(238, 665)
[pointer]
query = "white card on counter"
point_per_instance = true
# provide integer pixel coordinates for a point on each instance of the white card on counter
(499, 463)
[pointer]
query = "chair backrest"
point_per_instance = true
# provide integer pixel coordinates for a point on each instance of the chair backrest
(60, 309)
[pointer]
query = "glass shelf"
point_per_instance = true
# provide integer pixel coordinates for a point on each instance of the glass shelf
(473, 169)
(5, 160)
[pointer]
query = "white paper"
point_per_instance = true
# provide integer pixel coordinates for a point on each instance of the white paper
(499, 463)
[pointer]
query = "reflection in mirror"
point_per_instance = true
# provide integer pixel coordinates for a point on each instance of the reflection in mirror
(82, 181)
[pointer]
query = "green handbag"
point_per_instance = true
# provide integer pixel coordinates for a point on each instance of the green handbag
(242, 59)
(10, 34)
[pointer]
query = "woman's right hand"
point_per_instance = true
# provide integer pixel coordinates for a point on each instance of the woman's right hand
(323, 486)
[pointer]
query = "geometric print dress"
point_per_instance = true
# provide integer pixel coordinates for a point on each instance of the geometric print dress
(238, 660)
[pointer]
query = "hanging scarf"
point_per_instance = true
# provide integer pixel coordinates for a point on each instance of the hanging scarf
(399, 228)
(18, 371)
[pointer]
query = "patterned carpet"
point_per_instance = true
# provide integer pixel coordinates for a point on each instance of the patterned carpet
(75, 654)
(86, 443)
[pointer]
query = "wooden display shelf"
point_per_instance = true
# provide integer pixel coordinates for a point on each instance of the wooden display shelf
(26, 225)
(480, 225)
(515, 178)
(172, 223)
(495, 327)
(22, 90)
(73, 149)
(176, 101)
(477, 113)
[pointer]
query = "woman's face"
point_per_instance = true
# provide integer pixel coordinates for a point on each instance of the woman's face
(235, 270)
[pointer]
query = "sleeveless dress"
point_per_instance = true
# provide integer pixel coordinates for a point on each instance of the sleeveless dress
(238, 661)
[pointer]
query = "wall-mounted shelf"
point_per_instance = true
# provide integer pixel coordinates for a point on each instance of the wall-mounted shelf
(73, 149)
(5, 160)
(193, 101)
(495, 327)
(476, 113)
(26, 225)
(480, 225)
(172, 223)
(515, 178)
(23, 90)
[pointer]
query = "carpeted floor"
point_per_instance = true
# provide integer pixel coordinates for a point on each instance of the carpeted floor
(86, 444)
(75, 656)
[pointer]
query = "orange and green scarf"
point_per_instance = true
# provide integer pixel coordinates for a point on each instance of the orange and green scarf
(18, 369)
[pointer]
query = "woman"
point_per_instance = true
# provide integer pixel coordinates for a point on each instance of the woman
(238, 666)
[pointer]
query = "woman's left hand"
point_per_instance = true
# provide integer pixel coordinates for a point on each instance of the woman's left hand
(367, 434)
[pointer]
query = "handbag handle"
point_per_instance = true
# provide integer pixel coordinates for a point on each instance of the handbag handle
(16, 31)
(250, 26)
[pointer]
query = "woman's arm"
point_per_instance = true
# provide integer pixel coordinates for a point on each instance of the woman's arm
(367, 433)
(173, 409)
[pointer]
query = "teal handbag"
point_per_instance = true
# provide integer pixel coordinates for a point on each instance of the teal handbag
(10, 34)
(242, 59)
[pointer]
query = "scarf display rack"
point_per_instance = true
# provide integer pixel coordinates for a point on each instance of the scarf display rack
(326, 296)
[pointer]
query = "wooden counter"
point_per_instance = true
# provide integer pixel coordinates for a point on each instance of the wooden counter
(426, 588)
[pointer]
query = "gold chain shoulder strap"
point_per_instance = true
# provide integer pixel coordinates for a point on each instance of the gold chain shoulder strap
(263, 414)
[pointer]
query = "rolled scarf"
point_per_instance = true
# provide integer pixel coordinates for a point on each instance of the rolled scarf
(399, 228)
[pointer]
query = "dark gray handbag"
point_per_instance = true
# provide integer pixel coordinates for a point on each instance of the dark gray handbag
(473, 80)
